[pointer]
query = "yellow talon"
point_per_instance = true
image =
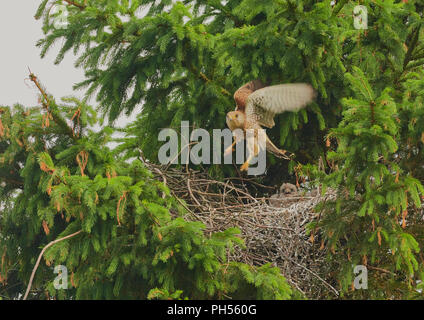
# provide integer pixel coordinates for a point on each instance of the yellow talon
(245, 166)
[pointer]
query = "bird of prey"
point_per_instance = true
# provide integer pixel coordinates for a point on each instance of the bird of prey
(256, 106)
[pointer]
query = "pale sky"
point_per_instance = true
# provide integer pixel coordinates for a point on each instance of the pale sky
(19, 32)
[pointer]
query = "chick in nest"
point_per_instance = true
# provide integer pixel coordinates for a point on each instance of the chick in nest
(288, 189)
(285, 196)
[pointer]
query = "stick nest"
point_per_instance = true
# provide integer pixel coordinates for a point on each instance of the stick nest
(274, 229)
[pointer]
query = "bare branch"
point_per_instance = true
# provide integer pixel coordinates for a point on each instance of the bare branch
(39, 259)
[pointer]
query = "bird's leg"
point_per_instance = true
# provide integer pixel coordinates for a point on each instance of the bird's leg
(230, 148)
(245, 165)
(237, 138)
(253, 151)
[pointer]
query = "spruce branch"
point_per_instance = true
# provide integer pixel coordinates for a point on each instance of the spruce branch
(339, 6)
(414, 41)
(47, 105)
(12, 181)
(218, 6)
(204, 77)
(73, 3)
(372, 108)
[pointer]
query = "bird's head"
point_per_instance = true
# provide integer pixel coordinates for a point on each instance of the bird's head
(235, 119)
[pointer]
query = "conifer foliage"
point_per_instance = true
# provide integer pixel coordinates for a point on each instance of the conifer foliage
(375, 160)
(182, 60)
(131, 241)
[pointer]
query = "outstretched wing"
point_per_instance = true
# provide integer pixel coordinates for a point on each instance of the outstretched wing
(241, 95)
(263, 104)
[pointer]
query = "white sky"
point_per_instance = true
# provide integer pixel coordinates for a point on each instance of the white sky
(19, 32)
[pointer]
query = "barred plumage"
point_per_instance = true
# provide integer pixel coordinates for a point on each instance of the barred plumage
(256, 106)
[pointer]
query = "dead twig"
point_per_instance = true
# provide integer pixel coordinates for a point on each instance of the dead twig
(275, 234)
(39, 259)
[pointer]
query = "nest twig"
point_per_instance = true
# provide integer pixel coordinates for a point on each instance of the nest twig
(272, 234)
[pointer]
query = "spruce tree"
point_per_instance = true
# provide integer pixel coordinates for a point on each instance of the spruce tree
(127, 238)
(182, 60)
(375, 157)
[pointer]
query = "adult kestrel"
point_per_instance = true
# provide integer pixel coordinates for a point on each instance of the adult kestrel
(256, 106)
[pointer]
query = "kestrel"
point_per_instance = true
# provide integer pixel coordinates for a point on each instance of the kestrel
(256, 106)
